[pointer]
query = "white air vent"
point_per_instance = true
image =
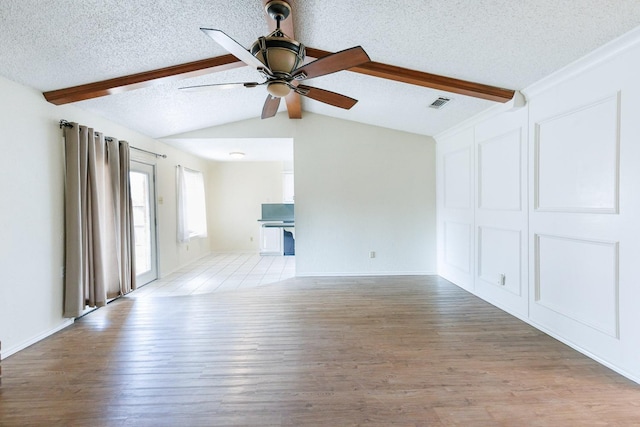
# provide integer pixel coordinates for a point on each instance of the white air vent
(439, 103)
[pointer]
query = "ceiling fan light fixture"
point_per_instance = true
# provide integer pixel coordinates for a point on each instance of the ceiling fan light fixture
(236, 154)
(278, 89)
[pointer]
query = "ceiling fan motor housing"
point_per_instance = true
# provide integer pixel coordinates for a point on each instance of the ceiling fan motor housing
(279, 54)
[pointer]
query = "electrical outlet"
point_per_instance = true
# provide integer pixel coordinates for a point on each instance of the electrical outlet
(372, 254)
(251, 239)
(502, 280)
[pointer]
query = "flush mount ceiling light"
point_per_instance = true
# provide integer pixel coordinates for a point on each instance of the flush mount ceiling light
(236, 154)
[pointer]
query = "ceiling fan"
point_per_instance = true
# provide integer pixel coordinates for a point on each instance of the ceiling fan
(280, 61)
(281, 80)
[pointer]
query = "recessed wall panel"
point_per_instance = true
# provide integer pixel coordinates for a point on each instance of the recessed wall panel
(577, 157)
(457, 174)
(579, 279)
(500, 172)
(457, 245)
(499, 253)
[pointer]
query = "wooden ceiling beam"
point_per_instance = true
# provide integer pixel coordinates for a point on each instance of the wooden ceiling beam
(419, 78)
(140, 80)
(227, 62)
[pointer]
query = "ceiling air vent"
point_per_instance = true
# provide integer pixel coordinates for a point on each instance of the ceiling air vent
(439, 103)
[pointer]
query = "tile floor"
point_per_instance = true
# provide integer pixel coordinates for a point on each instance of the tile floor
(221, 272)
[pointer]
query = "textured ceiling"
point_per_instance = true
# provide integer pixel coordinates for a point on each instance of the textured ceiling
(51, 45)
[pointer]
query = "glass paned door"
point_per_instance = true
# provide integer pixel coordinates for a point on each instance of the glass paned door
(144, 221)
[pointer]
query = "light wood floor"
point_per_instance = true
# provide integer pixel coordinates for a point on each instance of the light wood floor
(407, 351)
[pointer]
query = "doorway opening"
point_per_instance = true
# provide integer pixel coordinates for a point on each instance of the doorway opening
(143, 196)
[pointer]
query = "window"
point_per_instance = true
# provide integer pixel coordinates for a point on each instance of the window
(192, 212)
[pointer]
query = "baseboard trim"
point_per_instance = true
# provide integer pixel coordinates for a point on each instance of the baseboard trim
(581, 350)
(367, 274)
(13, 350)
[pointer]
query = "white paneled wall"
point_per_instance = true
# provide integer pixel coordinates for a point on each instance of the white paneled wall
(584, 232)
(454, 200)
(556, 209)
(501, 210)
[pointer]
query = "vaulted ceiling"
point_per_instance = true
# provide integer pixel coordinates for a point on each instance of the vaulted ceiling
(510, 44)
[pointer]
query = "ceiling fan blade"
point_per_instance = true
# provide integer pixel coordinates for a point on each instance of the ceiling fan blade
(270, 107)
(200, 88)
(327, 97)
(338, 61)
(233, 47)
(294, 107)
(218, 86)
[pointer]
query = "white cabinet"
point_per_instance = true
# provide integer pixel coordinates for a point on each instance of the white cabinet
(271, 241)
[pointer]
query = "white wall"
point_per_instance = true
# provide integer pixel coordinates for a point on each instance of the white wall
(31, 218)
(359, 188)
(237, 191)
(173, 255)
(570, 261)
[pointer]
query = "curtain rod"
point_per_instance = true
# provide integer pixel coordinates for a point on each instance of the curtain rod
(164, 156)
(66, 124)
(189, 169)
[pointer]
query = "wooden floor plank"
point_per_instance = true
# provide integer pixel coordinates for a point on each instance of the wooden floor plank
(310, 352)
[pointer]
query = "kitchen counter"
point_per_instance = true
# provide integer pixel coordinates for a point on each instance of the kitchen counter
(278, 224)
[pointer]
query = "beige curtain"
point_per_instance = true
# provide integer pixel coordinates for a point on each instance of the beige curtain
(99, 241)
(118, 160)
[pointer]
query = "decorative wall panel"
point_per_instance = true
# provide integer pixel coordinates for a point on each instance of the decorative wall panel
(500, 172)
(499, 253)
(457, 245)
(457, 179)
(579, 279)
(577, 157)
